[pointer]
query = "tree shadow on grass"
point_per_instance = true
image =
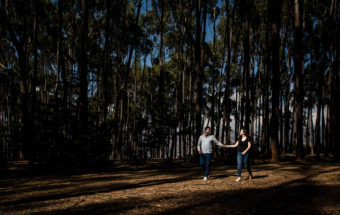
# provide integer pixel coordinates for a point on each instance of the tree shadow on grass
(96, 190)
(303, 197)
(16, 188)
(111, 207)
(284, 199)
(12, 186)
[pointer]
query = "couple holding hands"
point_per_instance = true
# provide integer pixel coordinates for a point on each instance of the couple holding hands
(205, 149)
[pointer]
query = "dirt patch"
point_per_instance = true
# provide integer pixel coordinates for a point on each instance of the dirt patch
(281, 188)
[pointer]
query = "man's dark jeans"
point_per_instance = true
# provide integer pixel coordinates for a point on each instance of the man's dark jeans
(205, 163)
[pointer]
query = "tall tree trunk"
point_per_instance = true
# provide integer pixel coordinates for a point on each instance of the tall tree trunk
(266, 80)
(324, 136)
(246, 68)
(333, 78)
(318, 128)
(61, 62)
(331, 104)
(236, 117)
(311, 131)
(307, 134)
(293, 132)
(62, 71)
(281, 121)
(185, 122)
(275, 11)
(298, 65)
(107, 62)
(35, 150)
(227, 109)
(336, 114)
(191, 115)
(199, 72)
(287, 112)
(160, 103)
(258, 127)
(134, 130)
(6, 151)
(253, 98)
(83, 99)
(336, 101)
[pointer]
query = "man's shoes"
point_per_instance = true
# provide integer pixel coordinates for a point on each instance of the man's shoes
(205, 178)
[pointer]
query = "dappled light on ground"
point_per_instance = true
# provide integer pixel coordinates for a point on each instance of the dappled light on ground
(157, 188)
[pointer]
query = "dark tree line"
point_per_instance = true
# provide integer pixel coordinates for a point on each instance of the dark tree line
(84, 82)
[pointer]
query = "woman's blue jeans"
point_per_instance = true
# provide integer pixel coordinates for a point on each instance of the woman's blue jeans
(205, 163)
(242, 158)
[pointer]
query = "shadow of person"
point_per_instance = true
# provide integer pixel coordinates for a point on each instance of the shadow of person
(259, 176)
(221, 176)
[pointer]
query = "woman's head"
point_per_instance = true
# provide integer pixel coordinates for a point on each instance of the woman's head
(243, 132)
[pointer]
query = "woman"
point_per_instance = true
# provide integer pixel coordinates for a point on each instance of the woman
(243, 146)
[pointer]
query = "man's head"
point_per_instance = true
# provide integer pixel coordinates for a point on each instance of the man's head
(207, 130)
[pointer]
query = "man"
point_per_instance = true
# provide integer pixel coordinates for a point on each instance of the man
(205, 148)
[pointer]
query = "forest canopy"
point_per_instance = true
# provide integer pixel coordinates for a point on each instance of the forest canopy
(85, 82)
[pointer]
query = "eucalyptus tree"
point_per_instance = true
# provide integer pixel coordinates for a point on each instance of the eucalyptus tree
(18, 27)
(275, 17)
(298, 70)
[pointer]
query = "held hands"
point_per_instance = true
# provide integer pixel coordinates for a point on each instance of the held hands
(200, 151)
(230, 146)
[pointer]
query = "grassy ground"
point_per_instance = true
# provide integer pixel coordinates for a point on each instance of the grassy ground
(288, 187)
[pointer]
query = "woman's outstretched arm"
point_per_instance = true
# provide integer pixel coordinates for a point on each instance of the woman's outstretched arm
(232, 146)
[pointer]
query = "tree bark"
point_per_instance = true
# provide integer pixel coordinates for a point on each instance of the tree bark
(298, 65)
(331, 104)
(198, 76)
(246, 66)
(311, 131)
(83, 99)
(275, 11)
(107, 62)
(35, 150)
(336, 101)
